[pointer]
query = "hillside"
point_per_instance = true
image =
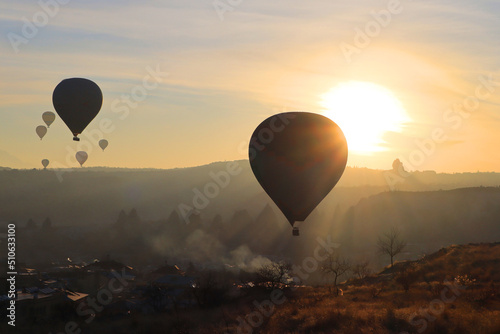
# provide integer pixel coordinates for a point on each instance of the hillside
(94, 195)
(455, 290)
(427, 220)
(479, 262)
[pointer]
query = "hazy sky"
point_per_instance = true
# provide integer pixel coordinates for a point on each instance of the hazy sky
(223, 71)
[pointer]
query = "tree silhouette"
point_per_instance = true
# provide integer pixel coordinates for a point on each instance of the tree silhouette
(30, 224)
(336, 266)
(211, 288)
(274, 274)
(391, 244)
(361, 270)
(122, 219)
(134, 217)
(47, 224)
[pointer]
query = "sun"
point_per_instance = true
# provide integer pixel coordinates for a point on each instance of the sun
(365, 112)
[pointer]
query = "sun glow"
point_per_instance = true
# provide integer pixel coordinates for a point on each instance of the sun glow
(365, 112)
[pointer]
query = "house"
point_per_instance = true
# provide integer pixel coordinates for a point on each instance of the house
(36, 305)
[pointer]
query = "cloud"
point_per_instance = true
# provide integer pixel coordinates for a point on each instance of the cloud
(263, 55)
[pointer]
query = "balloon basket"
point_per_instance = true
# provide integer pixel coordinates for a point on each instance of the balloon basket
(75, 138)
(295, 232)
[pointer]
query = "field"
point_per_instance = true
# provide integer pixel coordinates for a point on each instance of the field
(455, 290)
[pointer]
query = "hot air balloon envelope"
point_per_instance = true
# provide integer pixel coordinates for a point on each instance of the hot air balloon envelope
(103, 143)
(48, 117)
(81, 157)
(45, 163)
(77, 101)
(297, 157)
(41, 131)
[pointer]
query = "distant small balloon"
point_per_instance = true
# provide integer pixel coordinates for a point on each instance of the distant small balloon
(41, 130)
(45, 163)
(103, 143)
(49, 118)
(81, 157)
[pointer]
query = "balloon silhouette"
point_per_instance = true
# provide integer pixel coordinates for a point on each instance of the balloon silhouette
(103, 143)
(45, 163)
(41, 131)
(81, 157)
(48, 117)
(297, 157)
(77, 101)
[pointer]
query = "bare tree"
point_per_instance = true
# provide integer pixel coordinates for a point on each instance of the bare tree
(47, 224)
(274, 274)
(210, 288)
(336, 266)
(361, 270)
(391, 244)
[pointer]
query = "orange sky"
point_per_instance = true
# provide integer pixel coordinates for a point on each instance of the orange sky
(219, 74)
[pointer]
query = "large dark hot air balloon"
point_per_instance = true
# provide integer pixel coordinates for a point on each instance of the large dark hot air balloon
(77, 101)
(297, 157)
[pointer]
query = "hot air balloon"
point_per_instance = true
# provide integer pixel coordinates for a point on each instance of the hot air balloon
(48, 117)
(103, 143)
(77, 101)
(45, 163)
(41, 130)
(81, 157)
(297, 157)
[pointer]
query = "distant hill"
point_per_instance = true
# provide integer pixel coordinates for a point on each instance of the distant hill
(95, 195)
(427, 220)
